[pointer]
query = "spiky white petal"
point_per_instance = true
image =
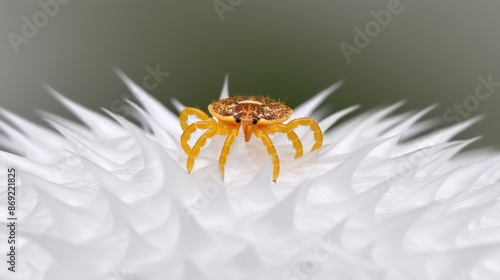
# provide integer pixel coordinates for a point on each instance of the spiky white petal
(380, 200)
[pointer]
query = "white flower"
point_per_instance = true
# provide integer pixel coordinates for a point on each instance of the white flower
(382, 199)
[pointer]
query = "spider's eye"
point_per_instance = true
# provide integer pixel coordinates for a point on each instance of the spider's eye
(254, 121)
(238, 120)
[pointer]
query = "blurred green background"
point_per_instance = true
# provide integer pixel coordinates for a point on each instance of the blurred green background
(430, 52)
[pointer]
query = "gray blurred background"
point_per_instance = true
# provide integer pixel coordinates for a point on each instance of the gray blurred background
(430, 52)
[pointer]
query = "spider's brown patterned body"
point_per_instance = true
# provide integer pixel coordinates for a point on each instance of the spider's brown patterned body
(251, 107)
(257, 116)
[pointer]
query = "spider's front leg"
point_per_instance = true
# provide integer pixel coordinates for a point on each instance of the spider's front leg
(225, 149)
(292, 136)
(191, 111)
(318, 134)
(214, 130)
(271, 151)
(186, 135)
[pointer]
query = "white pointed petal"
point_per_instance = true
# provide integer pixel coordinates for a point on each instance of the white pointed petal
(281, 217)
(213, 205)
(68, 193)
(225, 88)
(463, 179)
(336, 184)
(306, 109)
(238, 266)
(330, 120)
(442, 233)
(359, 209)
(76, 224)
(162, 115)
(441, 135)
(178, 105)
(73, 126)
(359, 132)
(49, 139)
(139, 250)
(439, 155)
(192, 239)
(33, 167)
(127, 191)
(393, 230)
(407, 123)
(163, 137)
(9, 145)
(90, 118)
(22, 141)
(420, 127)
(257, 192)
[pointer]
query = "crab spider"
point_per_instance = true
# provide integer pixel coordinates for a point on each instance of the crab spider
(255, 115)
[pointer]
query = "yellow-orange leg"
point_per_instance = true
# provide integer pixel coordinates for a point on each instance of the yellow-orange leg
(225, 151)
(186, 135)
(271, 151)
(197, 147)
(318, 135)
(189, 111)
(292, 136)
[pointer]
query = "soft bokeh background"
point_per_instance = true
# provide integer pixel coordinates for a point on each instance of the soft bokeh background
(431, 52)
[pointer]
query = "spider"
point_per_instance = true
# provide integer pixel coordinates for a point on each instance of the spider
(255, 115)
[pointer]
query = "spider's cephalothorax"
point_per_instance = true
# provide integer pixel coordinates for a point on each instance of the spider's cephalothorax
(255, 115)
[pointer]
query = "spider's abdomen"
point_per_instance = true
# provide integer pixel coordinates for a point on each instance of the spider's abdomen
(265, 110)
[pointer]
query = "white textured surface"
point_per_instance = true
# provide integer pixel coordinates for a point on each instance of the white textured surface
(110, 200)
